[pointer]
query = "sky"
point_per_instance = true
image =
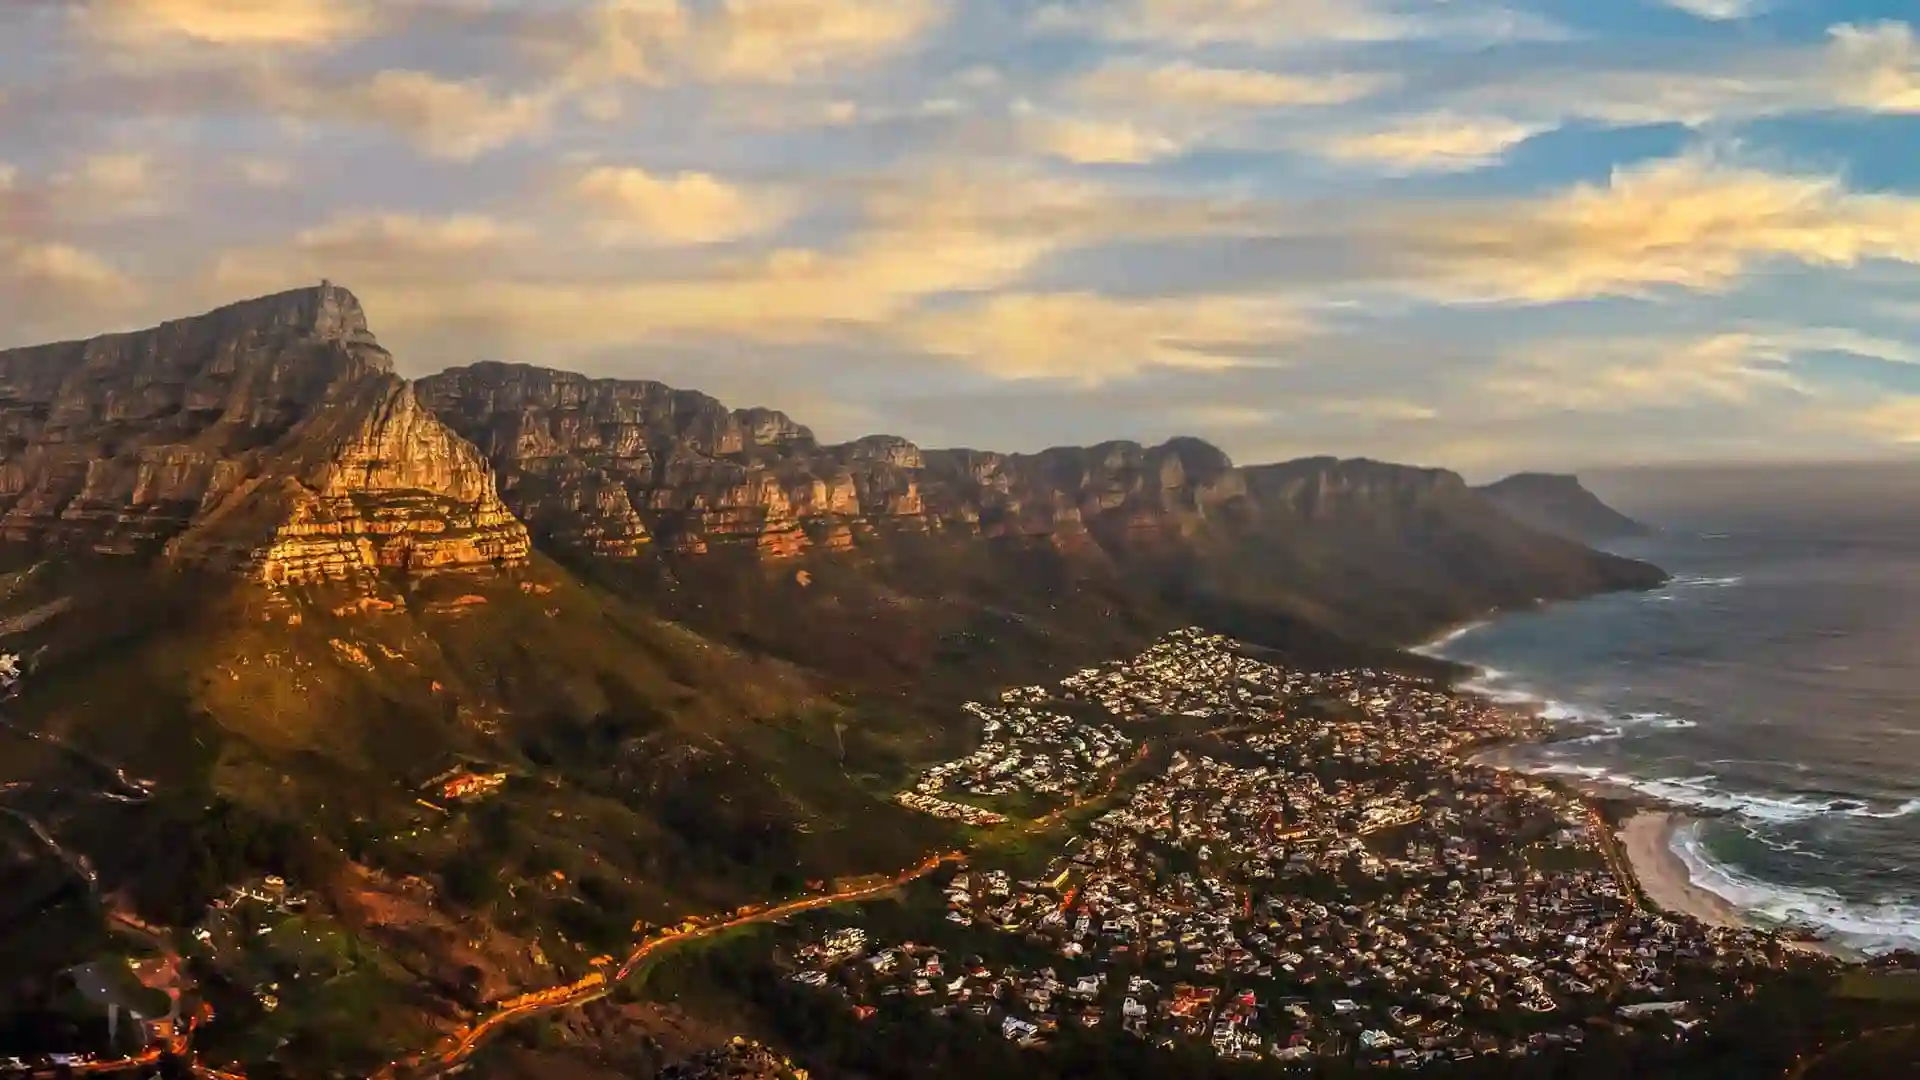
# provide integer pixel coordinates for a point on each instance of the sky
(1480, 234)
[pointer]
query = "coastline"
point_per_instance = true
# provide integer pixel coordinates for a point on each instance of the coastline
(1646, 834)
(1647, 838)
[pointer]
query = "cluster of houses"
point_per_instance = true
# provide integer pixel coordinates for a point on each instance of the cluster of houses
(1024, 748)
(1330, 876)
(949, 810)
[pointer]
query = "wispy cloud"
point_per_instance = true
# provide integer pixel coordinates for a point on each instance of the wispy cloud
(1441, 142)
(245, 24)
(1719, 10)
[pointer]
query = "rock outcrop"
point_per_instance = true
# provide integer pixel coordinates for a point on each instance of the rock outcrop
(1561, 505)
(269, 437)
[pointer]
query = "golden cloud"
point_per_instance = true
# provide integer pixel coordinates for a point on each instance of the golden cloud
(686, 208)
(1689, 222)
(1441, 142)
(51, 290)
(749, 41)
(1629, 373)
(1896, 419)
(253, 23)
(445, 117)
(1089, 339)
(1190, 84)
(1872, 68)
(1200, 22)
(1876, 67)
(1096, 142)
(468, 283)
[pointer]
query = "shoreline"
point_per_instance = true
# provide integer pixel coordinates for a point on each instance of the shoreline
(1645, 833)
(1647, 839)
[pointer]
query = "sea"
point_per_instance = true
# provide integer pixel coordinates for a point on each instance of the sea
(1772, 685)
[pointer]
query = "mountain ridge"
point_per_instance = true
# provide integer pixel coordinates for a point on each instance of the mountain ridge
(1559, 503)
(270, 438)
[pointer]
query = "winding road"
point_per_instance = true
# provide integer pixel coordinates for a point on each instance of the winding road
(585, 992)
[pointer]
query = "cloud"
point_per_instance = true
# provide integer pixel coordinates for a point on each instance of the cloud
(1089, 339)
(238, 23)
(1187, 84)
(1873, 68)
(61, 266)
(118, 184)
(1642, 372)
(1718, 10)
(1691, 222)
(1096, 142)
(387, 250)
(263, 172)
(1379, 409)
(742, 41)
(1290, 23)
(1877, 67)
(456, 119)
(780, 40)
(1439, 142)
(52, 289)
(1895, 420)
(924, 244)
(686, 208)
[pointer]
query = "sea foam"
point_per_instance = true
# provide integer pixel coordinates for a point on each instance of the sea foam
(1870, 927)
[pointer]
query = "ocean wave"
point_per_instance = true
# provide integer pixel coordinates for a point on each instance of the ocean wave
(1871, 927)
(1684, 582)
(1660, 720)
(1701, 793)
(1492, 683)
(1432, 648)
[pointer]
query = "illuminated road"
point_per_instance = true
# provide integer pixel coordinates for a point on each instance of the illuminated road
(591, 990)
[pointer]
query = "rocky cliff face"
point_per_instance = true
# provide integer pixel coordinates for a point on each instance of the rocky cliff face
(269, 437)
(1561, 505)
(272, 439)
(610, 466)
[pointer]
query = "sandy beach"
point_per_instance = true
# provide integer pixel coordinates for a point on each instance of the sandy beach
(1647, 838)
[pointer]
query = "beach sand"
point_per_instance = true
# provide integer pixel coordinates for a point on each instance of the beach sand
(1647, 838)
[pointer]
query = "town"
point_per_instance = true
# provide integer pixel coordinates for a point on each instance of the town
(1328, 873)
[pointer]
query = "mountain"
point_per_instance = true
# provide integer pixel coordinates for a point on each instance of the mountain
(269, 592)
(636, 471)
(270, 438)
(1561, 505)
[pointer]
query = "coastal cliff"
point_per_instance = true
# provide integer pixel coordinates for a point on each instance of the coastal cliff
(1561, 505)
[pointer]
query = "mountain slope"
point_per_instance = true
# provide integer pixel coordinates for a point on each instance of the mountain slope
(1561, 505)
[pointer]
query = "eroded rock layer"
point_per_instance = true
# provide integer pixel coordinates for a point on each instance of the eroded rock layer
(269, 437)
